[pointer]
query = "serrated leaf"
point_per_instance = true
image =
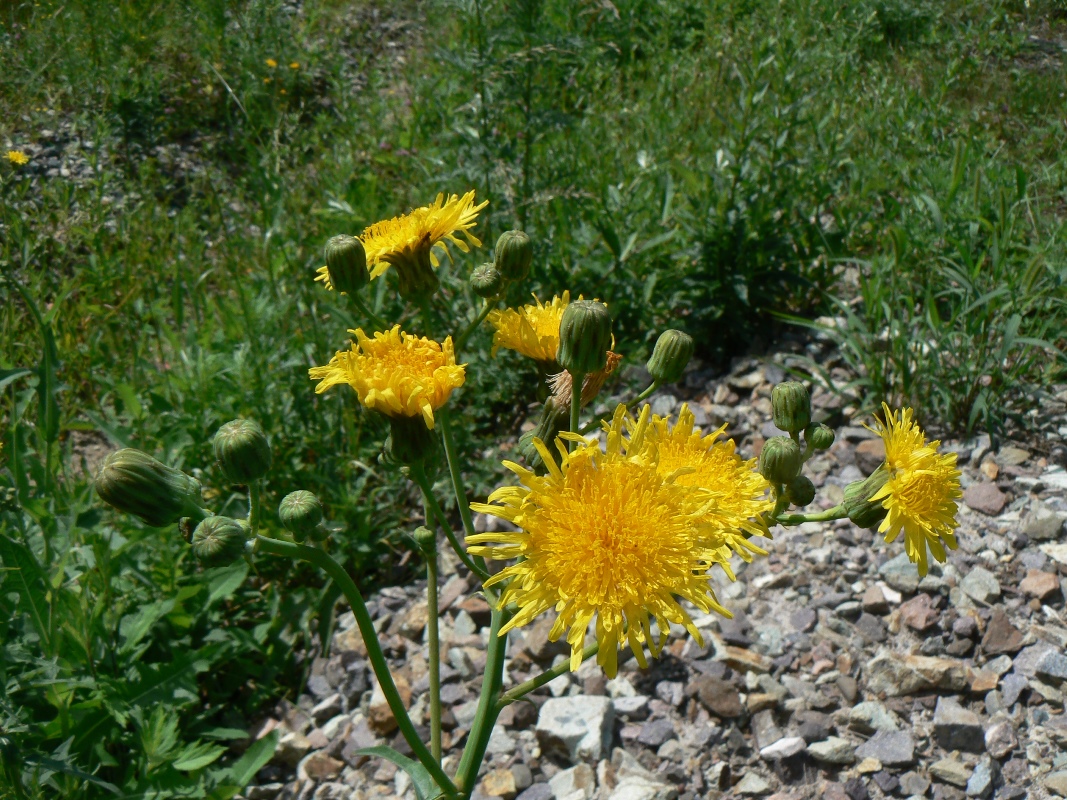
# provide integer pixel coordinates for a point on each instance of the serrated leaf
(26, 577)
(133, 627)
(426, 788)
(197, 756)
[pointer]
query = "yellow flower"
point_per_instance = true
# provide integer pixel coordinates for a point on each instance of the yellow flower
(17, 157)
(395, 373)
(605, 537)
(271, 63)
(294, 65)
(422, 230)
(920, 492)
(532, 330)
(712, 466)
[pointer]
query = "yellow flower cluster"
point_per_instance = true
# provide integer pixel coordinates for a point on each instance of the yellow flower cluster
(395, 373)
(618, 536)
(920, 492)
(532, 330)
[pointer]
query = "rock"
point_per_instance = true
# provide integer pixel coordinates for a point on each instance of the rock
(327, 709)
(900, 574)
(319, 766)
(870, 453)
(871, 627)
(576, 728)
(950, 770)
(522, 776)
(576, 783)
(834, 750)
(379, 715)
(956, 728)
(1042, 585)
(804, 619)
(1057, 782)
(985, 497)
(1000, 635)
(413, 623)
(891, 748)
(813, 726)
(1053, 665)
(752, 785)
(500, 783)
(856, 790)
(718, 696)
(1057, 552)
(655, 732)
(919, 613)
(912, 783)
(1043, 524)
(783, 748)
(980, 784)
(980, 584)
(536, 791)
(874, 602)
(965, 627)
(871, 716)
(1029, 657)
(1011, 686)
(1000, 739)
(632, 781)
(291, 748)
(632, 708)
(898, 676)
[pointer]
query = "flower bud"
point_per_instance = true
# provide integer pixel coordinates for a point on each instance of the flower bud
(346, 263)
(135, 483)
(857, 502)
(426, 541)
(242, 450)
(410, 441)
(670, 355)
(486, 281)
(800, 491)
(416, 279)
(584, 337)
(791, 406)
(514, 255)
(218, 541)
(554, 418)
(819, 436)
(300, 513)
(780, 460)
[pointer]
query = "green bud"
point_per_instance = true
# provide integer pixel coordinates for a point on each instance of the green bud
(861, 510)
(410, 441)
(320, 534)
(800, 491)
(426, 541)
(135, 483)
(584, 337)
(514, 255)
(346, 263)
(670, 355)
(791, 404)
(300, 513)
(820, 436)
(780, 460)
(242, 450)
(486, 281)
(218, 541)
(417, 280)
(554, 418)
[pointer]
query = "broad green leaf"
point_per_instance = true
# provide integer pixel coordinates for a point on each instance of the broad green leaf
(133, 627)
(27, 578)
(224, 581)
(254, 759)
(426, 788)
(197, 756)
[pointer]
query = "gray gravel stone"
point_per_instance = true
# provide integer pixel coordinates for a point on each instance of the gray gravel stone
(892, 748)
(956, 728)
(576, 728)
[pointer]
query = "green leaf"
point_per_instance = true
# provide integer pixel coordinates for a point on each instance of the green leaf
(69, 769)
(254, 759)
(133, 627)
(197, 756)
(224, 581)
(7, 376)
(27, 578)
(426, 788)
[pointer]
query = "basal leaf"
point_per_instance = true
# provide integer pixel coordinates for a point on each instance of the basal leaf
(26, 577)
(255, 758)
(426, 788)
(197, 756)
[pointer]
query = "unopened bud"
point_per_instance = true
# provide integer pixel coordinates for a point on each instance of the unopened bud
(820, 436)
(584, 337)
(300, 514)
(486, 281)
(426, 540)
(242, 450)
(857, 501)
(800, 491)
(780, 460)
(553, 420)
(669, 357)
(417, 280)
(514, 255)
(791, 405)
(410, 441)
(135, 483)
(346, 263)
(218, 541)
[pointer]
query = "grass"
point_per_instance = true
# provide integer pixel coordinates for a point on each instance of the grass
(715, 166)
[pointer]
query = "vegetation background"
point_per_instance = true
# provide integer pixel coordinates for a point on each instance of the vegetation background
(891, 168)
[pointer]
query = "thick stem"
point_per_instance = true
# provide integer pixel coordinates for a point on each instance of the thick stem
(577, 381)
(454, 472)
(375, 320)
(423, 483)
(488, 706)
(461, 339)
(837, 512)
(255, 510)
(374, 648)
(434, 641)
(536, 682)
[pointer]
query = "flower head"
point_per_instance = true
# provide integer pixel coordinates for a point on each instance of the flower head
(395, 373)
(920, 493)
(271, 63)
(604, 538)
(711, 465)
(17, 157)
(532, 330)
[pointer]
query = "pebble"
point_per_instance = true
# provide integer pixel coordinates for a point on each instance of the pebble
(1000, 739)
(980, 784)
(1040, 585)
(951, 770)
(576, 728)
(892, 748)
(783, 748)
(957, 728)
(871, 716)
(985, 497)
(1052, 665)
(834, 750)
(752, 785)
(982, 585)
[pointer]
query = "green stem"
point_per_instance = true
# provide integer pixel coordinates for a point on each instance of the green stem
(639, 399)
(536, 682)
(457, 476)
(377, 321)
(837, 512)
(488, 707)
(255, 510)
(419, 476)
(577, 380)
(374, 648)
(434, 637)
(461, 339)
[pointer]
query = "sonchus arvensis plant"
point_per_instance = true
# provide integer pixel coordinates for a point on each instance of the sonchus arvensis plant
(618, 520)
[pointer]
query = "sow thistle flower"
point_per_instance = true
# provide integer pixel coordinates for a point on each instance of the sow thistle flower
(607, 538)
(532, 330)
(18, 158)
(920, 491)
(395, 373)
